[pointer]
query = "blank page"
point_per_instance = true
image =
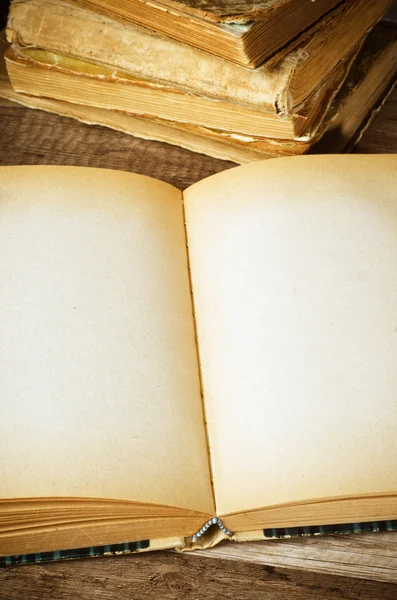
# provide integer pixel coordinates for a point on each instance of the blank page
(294, 265)
(99, 379)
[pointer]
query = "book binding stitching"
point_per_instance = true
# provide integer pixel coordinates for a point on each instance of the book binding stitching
(213, 521)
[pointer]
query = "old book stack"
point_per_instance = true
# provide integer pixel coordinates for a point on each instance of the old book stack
(238, 80)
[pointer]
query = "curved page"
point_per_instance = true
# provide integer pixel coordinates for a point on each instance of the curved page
(99, 380)
(294, 266)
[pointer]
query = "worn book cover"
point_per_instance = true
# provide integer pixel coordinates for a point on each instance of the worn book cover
(244, 32)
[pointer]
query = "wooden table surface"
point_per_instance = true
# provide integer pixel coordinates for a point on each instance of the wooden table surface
(355, 567)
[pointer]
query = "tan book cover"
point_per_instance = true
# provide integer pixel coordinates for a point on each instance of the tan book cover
(224, 356)
(244, 32)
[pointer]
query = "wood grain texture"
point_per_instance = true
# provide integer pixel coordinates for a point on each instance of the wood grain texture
(357, 567)
(35, 137)
(367, 556)
(169, 576)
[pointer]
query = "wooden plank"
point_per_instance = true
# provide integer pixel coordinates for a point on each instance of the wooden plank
(169, 576)
(367, 556)
(35, 137)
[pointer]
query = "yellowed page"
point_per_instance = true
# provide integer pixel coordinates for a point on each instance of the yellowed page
(294, 265)
(99, 381)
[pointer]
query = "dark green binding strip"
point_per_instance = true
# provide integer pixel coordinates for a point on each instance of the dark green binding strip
(131, 547)
(342, 528)
(90, 552)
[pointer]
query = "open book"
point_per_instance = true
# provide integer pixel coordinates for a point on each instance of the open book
(226, 354)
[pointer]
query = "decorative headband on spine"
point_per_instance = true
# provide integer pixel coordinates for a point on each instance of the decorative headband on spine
(214, 521)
